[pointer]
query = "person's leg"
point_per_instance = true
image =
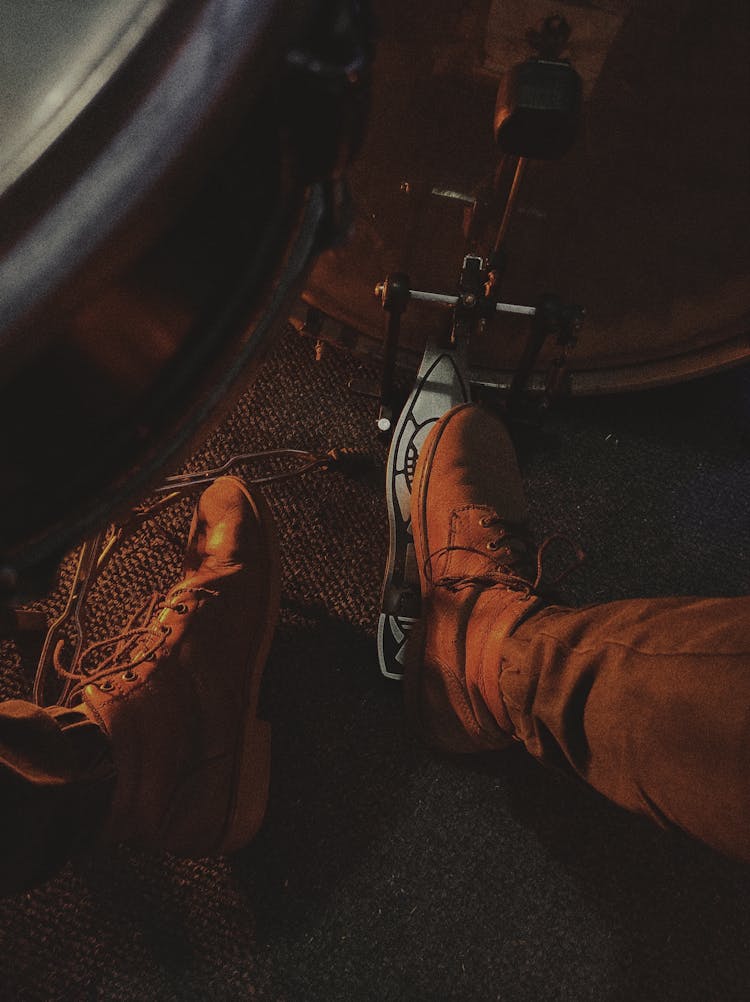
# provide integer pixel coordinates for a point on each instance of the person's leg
(56, 783)
(646, 700)
(160, 743)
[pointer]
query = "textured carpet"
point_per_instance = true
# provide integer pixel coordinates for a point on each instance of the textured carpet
(384, 871)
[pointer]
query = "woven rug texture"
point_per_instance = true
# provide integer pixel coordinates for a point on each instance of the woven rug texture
(384, 871)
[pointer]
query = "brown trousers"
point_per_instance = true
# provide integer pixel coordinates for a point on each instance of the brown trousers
(647, 700)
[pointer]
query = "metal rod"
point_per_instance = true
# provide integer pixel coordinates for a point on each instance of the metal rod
(456, 196)
(524, 311)
(188, 481)
(390, 349)
(433, 297)
(510, 203)
(443, 300)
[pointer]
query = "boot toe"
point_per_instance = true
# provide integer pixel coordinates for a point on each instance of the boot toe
(226, 525)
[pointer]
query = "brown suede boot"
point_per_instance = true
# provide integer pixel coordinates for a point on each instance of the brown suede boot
(474, 558)
(178, 698)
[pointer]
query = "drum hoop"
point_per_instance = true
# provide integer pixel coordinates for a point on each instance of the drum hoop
(730, 348)
(259, 320)
(121, 50)
(162, 128)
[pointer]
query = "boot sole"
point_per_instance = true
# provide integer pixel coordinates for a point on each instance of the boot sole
(418, 637)
(251, 777)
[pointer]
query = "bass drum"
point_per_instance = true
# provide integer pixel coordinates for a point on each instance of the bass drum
(645, 222)
(160, 201)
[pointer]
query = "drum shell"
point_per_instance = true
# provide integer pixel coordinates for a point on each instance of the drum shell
(645, 222)
(147, 256)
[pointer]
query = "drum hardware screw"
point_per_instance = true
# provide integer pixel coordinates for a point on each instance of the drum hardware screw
(405, 187)
(320, 350)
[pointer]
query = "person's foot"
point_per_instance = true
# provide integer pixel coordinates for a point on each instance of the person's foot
(474, 561)
(178, 700)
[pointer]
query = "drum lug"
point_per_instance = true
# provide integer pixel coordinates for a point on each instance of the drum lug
(557, 382)
(552, 317)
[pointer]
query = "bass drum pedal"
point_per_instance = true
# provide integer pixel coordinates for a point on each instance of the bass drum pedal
(442, 383)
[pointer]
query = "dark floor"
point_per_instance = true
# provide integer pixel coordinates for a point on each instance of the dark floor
(385, 872)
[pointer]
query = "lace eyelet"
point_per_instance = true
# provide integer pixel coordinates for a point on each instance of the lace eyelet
(180, 608)
(107, 685)
(166, 630)
(485, 521)
(151, 656)
(129, 675)
(493, 544)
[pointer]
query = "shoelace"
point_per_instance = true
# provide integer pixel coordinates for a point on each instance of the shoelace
(96, 551)
(126, 653)
(514, 545)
